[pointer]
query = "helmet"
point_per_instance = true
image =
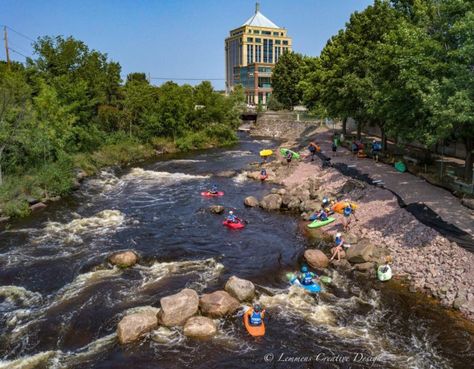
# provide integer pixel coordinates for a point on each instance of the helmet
(304, 269)
(231, 212)
(325, 200)
(374, 141)
(257, 308)
(338, 235)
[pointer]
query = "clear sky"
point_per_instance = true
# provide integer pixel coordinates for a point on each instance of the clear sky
(169, 38)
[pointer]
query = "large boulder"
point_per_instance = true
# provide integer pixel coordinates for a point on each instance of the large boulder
(124, 259)
(361, 252)
(316, 258)
(253, 175)
(216, 209)
(134, 326)
(200, 327)
(250, 201)
(177, 308)
(37, 206)
(271, 202)
(218, 304)
(241, 289)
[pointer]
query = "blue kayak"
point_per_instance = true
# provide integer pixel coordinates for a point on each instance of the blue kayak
(312, 288)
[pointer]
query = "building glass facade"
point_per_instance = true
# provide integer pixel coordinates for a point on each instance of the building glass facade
(251, 53)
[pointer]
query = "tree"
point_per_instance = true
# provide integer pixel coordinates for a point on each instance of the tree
(286, 76)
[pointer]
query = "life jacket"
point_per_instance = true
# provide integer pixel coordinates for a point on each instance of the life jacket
(307, 279)
(338, 241)
(232, 218)
(347, 211)
(255, 318)
(311, 148)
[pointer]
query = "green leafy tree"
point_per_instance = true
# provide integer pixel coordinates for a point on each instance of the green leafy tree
(286, 76)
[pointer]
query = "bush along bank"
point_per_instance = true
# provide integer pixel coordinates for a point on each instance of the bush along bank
(428, 262)
(20, 195)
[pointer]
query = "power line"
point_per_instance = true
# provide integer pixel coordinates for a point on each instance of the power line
(20, 34)
(17, 52)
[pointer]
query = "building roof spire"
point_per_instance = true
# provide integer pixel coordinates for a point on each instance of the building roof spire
(259, 20)
(257, 7)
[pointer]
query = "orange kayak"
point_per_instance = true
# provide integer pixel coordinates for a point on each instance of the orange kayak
(254, 330)
(339, 206)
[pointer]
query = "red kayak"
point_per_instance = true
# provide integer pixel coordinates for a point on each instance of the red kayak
(208, 194)
(238, 225)
(262, 178)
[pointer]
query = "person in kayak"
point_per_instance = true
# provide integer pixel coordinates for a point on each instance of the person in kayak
(306, 277)
(263, 174)
(338, 246)
(256, 315)
(213, 190)
(232, 218)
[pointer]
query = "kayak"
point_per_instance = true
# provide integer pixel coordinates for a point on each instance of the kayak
(284, 152)
(254, 330)
(262, 178)
(238, 225)
(400, 166)
(384, 275)
(208, 194)
(312, 288)
(319, 223)
(266, 152)
(339, 206)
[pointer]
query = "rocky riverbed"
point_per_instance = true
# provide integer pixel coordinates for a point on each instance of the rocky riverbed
(429, 262)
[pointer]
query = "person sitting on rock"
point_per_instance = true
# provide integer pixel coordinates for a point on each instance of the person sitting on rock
(263, 174)
(327, 205)
(213, 190)
(322, 215)
(288, 156)
(305, 277)
(231, 217)
(256, 315)
(338, 248)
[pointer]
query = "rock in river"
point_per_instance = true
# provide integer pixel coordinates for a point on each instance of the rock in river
(316, 258)
(241, 289)
(216, 209)
(177, 308)
(251, 201)
(218, 304)
(124, 259)
(200, 327)
(271, 202)
(133, 326)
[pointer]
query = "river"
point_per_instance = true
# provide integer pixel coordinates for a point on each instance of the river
(60, 302)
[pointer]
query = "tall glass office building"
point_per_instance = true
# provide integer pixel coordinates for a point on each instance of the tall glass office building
(251, 52)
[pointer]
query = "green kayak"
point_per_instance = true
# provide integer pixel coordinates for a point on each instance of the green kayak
(284, 152)
(400, 166)
(318, 223)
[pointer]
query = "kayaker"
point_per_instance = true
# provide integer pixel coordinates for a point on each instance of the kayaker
(288, 156)
(338, 246)
(231, 217)
(327, 205)
(256, 315)
(306, 277)
(263, 174)
(213, 190)
(322, 215)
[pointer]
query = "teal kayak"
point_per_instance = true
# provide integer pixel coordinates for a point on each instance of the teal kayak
(400, 166)
(319, 223)
(284, 152)
(313, 288)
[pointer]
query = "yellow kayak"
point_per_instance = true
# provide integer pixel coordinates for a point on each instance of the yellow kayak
(266, 152)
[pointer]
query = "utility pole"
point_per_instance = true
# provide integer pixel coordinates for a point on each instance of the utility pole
(5, 38)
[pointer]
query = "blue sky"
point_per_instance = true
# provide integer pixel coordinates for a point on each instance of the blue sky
(170, 38)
